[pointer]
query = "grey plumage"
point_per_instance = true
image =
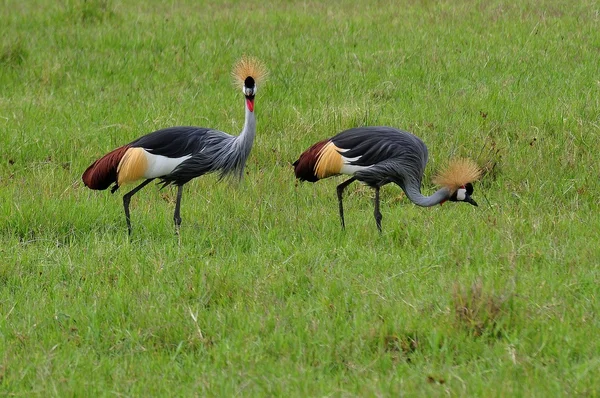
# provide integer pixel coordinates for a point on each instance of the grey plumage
(388, 154)
(215, 151)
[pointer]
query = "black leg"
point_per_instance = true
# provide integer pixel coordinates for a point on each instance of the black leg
(127, 199)
(340, 191)
(377, 213)
(177, 216)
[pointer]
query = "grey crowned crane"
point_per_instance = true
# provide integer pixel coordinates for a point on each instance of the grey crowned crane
(176, 155)
(377, 156)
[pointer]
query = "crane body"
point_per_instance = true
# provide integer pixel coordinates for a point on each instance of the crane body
(380, 155)
(176, 155)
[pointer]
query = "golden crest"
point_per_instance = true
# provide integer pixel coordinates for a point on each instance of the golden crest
(249, 67)
(459, 172)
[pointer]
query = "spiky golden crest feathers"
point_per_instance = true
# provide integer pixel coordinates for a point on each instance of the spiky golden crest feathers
(459, 172)
(249, 67)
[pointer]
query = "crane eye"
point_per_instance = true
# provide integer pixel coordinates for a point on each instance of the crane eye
(249, 91)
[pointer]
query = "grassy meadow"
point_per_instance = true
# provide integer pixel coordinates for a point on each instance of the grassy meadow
(263, 294)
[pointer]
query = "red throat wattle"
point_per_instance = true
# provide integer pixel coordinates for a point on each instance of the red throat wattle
(250, 104)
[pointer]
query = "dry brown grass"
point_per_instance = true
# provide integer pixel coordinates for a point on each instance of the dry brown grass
(478, 311)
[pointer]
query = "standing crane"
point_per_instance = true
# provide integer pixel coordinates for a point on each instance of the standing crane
(176, 155)
(377, 156)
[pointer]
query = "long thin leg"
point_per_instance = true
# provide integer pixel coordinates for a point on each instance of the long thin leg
(176, 215)
(340, 191)
(377, 213)
(127, 199)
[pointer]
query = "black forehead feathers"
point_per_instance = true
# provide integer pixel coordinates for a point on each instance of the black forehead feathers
(249, 82)
(469, 188)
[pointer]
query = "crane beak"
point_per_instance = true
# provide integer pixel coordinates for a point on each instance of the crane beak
(470, 200)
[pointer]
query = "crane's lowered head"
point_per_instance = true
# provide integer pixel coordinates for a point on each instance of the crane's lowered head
(463, 194)
(249, 72)
(457, 178)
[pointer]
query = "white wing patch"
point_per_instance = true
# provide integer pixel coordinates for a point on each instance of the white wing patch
(348, 168)
(159, 165)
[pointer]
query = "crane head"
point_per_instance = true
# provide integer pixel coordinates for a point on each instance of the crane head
(249, 72)
(249, 89)
(463, 194)
(457, 178)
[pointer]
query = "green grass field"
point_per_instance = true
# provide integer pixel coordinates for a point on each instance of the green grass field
(263, 294)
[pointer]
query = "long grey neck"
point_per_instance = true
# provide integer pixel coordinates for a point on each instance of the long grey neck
(243, 143)
(414, 194)
(246, 137)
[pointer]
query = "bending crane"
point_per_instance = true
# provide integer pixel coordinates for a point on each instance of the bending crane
(378, 156)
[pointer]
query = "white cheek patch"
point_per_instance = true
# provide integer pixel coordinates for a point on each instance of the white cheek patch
(461, 194)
